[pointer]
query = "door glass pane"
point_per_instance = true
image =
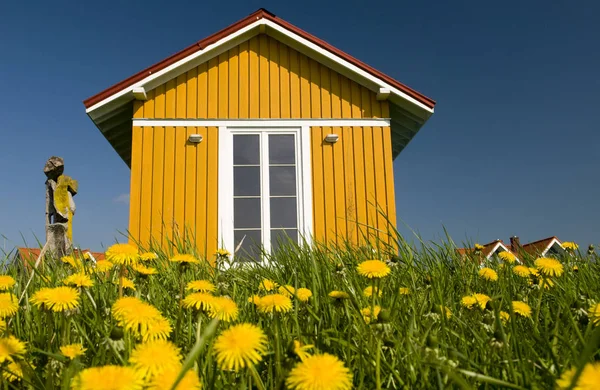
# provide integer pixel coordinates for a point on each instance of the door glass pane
(282, 149)
(251, 244)
(283, 213)
(283, 181)
(283, 237)
(246, 149)
(246, 213)
(246, 181)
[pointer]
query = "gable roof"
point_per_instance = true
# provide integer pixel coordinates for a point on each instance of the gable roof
(488, 250)
(112, 110)
(542, 246)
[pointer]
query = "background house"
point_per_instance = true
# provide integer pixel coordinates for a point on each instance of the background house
(258, 132)
(546, 247)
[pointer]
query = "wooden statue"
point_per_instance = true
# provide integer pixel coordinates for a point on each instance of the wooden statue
(60, 207)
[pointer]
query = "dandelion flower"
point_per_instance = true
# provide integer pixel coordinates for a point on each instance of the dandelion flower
(267, 285)
(303, 294)
(549, 267)
(446, 311)
(254, 299)
(9, 304)
(546, 283)
(13, 371)
(373, 269)
(223, 308)
(504, 316)
(594, 314)
(522, 271)
(79, 280)
(104, 266)
(301, 350)
(274, 302)
(201, 286)
(184, 259)
(533, 271)
(56, 299)
(366, 313)
(588, 380)
(507, 257)
(143, 270)
(521, 308)
(72, 350)
(240, 346)
(222, 253)
(404, 291)
(2, 325)
(482, 300)
(6, 282)
(11, 347)
(469, 301)
(339, 295)
(478, 247)
(71, 261)
(154, 357)
(488, 274)
(140, 318)
(166, 379)
(320, 372)
(368, 292)
(198, 301)
(109, 377)
(287, 290)
(571, 246)
(122, 254)
(148, 256)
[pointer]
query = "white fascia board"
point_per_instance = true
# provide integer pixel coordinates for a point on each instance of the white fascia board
(554, 241)
(493, 251)
(346, 64)
(378, 122)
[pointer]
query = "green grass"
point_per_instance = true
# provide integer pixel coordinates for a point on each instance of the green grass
(410, 346)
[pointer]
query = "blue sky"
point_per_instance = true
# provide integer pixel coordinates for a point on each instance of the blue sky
(512, 149)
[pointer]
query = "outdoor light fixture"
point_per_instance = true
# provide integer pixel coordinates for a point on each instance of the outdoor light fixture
(195, 138)
(331, 138)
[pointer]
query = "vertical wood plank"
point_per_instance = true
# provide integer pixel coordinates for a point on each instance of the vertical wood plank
(171, 99)
(317, 185)
(202, 109)
(192, 93)
(223, 85)
(264, 76)
(350, 190)
(254, 77)
(346, 97)
(244, 81)
(212, 192)
(138, 109)
(157, 184)
(168, 186)
(295, 101)
(136, 179)
(201, 191)
(190, 188)
(365, 102)
(336, 105)
(233, 83)
(180, 104)
(274, 78)
(339, 198)
(213, 88)
(380, 185)
(325, 93)
(284, 81)
(389, 180)
(315, 89)
(359, 183)
(146, 195)
(370, 182)
(159, 101)
(356, 100)
(179, 192)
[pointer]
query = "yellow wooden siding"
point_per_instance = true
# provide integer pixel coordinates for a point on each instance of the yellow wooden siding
(174, 184)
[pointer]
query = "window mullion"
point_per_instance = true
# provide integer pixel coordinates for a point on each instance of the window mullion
(266, 204)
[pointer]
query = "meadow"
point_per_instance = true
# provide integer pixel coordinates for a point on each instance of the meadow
(311, 318)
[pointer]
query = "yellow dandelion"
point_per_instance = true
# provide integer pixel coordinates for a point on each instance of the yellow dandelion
(222, 253)
(373, 269)
(158, 329)
(504, 316)
(13, 371)
(303, 294)
(546, 283)
(267, 285)
(166, 379)
(588, 380)
(366, 313)
(254, 299)
(287, 290)
(71, 261)
(478, 247)
(469, 301)
(140, 318)
(549, 267)
(104, 266)
(72, 350)
(507, 257)
(571, 246)
(9, 304)
(198, 301)
(122, 254)
(301, 350)
(143, 270)
(56, 299)
(575, 268)
(522, 271)
(2, 325)
(446, 311)
(154, 357)
(488, 274)
(6, 282)
(184, 259)
(201, 286)
(240, 346)
(79, 279)
(109, 377)
(274, 303)
(594, 314)
(11, 347)
(482, 300)
(404, 291)
(339, 295)
(148, 256)
(320, 372)
(368, 292)
(521, 308)
(223, 308)
(533, 271)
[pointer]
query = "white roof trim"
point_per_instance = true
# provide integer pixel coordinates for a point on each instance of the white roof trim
(378, 122)
(240, 33)
(554, 241)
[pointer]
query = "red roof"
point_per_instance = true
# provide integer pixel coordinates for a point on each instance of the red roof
(537, 247)
(487, 249)
(259, 14)
(31, 254)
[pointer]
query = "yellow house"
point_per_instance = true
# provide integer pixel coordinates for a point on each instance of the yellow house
(258, 132)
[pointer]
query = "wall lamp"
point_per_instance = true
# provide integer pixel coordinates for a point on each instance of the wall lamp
(195, 138)
(331, 138)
